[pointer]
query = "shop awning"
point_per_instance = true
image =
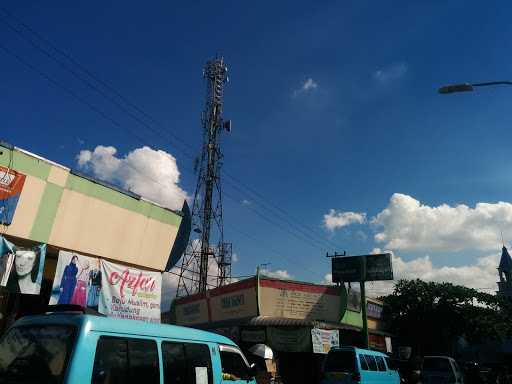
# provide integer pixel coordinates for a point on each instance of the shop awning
(286, 322)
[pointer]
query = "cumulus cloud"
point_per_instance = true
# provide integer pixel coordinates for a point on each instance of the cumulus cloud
(407, 224)
(308, 86)
(246, 202)
(481, 274)
(390, 73)
(235, 258)
(153, 174)
(279, 274)
(336, 220)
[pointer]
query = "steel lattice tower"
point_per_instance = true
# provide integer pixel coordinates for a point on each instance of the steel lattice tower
(206, 245)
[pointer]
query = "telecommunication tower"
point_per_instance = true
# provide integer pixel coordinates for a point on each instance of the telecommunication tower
(206, 247)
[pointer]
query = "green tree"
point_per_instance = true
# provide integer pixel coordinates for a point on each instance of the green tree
(431, 316)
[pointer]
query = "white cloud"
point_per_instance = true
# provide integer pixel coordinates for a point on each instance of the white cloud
(390, 73)
(153, 174)
(308, 86)
(279, 274)
(327, 279)
(407, 224)
(480, 275)
(246, 202)
(235, 258)
(335, 220)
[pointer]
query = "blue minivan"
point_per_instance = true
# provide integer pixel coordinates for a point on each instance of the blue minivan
(350, 365)
(72, 347)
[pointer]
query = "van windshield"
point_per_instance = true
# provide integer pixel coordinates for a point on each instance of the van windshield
(340, 361)
(35, 354)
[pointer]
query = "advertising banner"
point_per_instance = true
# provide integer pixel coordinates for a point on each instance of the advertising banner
(21, 269)
(130, 293)
(77, 280)
(323, 339)
(11, 185)
(299, 301)
(354, 300)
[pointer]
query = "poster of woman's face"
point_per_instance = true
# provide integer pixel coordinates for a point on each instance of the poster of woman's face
(71, 284)
(21, 269)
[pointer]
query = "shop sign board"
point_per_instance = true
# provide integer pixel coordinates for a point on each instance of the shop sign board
(324, 339)
(11, 185)
(286, 339)
(350, 268)
(374, 310)
(192, 311)
(295, 300)
(234, 301)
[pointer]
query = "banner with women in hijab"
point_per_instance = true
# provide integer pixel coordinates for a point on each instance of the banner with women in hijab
(77, 280)
(21, 268)
(112, 289)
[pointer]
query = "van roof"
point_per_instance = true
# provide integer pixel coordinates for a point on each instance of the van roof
(124, 327)
(359, 350)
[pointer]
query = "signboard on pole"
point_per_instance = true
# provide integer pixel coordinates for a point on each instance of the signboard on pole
(346, 269)
(351, 268)
(379, 267)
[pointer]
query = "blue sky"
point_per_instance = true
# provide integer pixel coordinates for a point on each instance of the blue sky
(334, 106)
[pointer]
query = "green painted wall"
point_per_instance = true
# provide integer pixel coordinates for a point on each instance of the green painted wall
(352, 318)
(25, 164)
(45, 217)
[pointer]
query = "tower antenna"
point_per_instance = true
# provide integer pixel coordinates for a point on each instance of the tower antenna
(206, 247)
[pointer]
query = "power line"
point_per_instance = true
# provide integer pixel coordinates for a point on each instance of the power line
(285, 216)
(297, 227)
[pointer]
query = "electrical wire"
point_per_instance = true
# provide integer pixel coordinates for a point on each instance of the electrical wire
(285, 216)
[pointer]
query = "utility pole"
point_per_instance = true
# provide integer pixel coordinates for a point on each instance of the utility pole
(207, 218)
(363, 302)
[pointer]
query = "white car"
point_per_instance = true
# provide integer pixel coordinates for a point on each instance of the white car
(441, 370)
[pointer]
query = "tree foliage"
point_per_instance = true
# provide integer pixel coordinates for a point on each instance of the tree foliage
(432, 316)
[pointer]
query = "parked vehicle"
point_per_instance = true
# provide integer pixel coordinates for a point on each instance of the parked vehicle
(441, 370)
(72, 347)
(350, 365)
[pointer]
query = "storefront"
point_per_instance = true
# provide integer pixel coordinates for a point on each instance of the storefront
(77, 234)
(299, 321)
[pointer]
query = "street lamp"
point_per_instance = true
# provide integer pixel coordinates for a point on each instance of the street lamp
(468, 87)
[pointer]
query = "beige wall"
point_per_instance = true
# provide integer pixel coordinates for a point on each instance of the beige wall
(27, 207)
(96, 227)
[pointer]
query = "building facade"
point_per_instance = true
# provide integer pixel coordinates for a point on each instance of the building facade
(45, 204)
